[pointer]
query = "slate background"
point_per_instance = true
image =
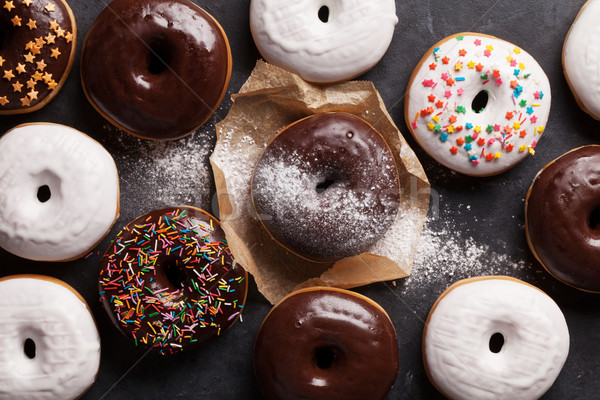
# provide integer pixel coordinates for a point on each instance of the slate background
(223, 369)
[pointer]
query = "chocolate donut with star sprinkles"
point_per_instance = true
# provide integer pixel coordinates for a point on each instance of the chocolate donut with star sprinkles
(37, 49)
(169, 281)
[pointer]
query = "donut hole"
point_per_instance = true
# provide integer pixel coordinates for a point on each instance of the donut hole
(325, 357)
(29, 348)
(324, 14)
(175, 273)
(496, 342)
(594, 219)
(160, 55)
(44, 193)
(323, 185)
(480, 101)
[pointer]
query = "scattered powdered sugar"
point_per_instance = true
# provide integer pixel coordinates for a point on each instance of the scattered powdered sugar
(166, 173)
(443, 254)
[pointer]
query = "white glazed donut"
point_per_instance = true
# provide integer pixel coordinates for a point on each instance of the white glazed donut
(59, 192)
(458, 77)
(462, 356)
(49, 343)
(581, 58)
(323, 41)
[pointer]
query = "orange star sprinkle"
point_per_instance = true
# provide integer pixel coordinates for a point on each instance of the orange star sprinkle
(29, 57)
(1, 61)
(33, 94)
(20, 68)
(16, 21)
(50, 38)
(59, 32)
(479, 67)
(35, 50)
(37, 76)
(47, 77)
(445, 60)
(69, 37)
(8, 5)
(41, 65)
(30, 84)
(8, 74)
(31, 24)
(50, 7)
(4, 101)
(17, 86)
(29, 45)
(52, 84)
(55, 53)
(25, 101)
(509, 115)
(462, 52)
(40, 42)
(27, 2)
(54, 25)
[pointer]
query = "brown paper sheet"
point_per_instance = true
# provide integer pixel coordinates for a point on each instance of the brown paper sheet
(271, 99)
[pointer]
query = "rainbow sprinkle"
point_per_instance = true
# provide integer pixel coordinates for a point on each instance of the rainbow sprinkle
(170, 282)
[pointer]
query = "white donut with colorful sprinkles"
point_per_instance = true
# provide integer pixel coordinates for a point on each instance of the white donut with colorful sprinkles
(477, 104)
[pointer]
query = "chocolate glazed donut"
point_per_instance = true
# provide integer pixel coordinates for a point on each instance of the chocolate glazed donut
(326, 187)
(326, 344)
(562, 214)
(155, 68)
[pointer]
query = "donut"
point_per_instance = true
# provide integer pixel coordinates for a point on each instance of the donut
(580, 58)
(494, 337)
(326, 187)
(323, 41)
(36, 52)
(59, 192)
(562, 218)
(326, 344)
(49, 342)
(169, 281)
(157, 69)
(477, 104)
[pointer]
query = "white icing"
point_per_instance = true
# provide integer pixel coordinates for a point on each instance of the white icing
(67, 344)
(289, 33)
(84, 192)
(581, 57)
(528, 120)
(457, 337)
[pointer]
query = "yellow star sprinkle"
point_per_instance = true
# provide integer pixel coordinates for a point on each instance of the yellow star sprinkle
(17, 86)
(517, 125)
(27, 2)
(32, 94)
(29, 57)
(435, 119)
(31, 24)
(531, 151)
(489, 47)
(497, 155)
(52, 84)
(522, 148)
(471, 65)
(49, 7)
(458, 66)
(517, 50)
(30, 84)
(54, 25)
(16, 21)
(8, 5)
(50, 38)
(55, 53)
(25, 101)
(521, 65)
(430, 126)
(37, 76)
(450, 129)
(477, 129)
(509, 58)
(41, 65)
(69, 37)
(20, 68)
(4, 101)
(8, 74)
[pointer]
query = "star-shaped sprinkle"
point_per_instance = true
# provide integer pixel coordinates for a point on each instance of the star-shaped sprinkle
(462, 52)
(445, 76)
(450, 128)
(477, 42)
(30, 83)
(439, 104)
(471, 64)
(37, 76)
(33, 94)
(453, 150)
(47, 77)
(497, 127)
(468, 125)
(489, 129)
(8, 74)
(35, 50)
(432, 66)
(516, 125)
(523, 103)
(452, 119)
(460, 37)
(449, 81)
(529, 110)
(477, 129)
(431, 126)
(517, 50)
(509, 58)
(460, 141)
(521, 65)
(487, 53)
(522, 148)
(516, 72)
(523, 133)
(29, 57)
(2, 60)
(20, 68)
(8, 5)
(52, 84)
(29, 45)
(54, 25)
(538, 95)
(16, 21)
(481, 141)
(27, 2)
(17, 86)
(50, 38)
(507, 129)
(41, 65)
(444, 137)
(31, 24)
(4, 101)
(59, 32)
(50, 7)
(68, 37)
(533, 119)
(479, 67)
(460, 91)
(55, 53)
(436, 119)
(445, 60)
(431, 98)
(461, 110)
(447, 94)
(40, 42)
(25, 101)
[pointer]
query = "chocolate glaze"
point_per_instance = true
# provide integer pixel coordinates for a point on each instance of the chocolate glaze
(52, 56)
(326, 344)
(563, 218)
(132, 88)
(172, 262)
(361, 187)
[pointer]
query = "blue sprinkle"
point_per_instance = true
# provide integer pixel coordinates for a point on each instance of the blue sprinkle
(460, 79)
(529, 110)
(517, 72)
(468, 147)
(444, 137)
(468, 125)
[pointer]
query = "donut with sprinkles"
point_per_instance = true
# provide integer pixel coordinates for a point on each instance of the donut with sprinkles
(37, 52)
(169, 282)
(477, 104)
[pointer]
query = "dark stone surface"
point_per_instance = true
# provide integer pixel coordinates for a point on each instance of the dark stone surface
(495, 217)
